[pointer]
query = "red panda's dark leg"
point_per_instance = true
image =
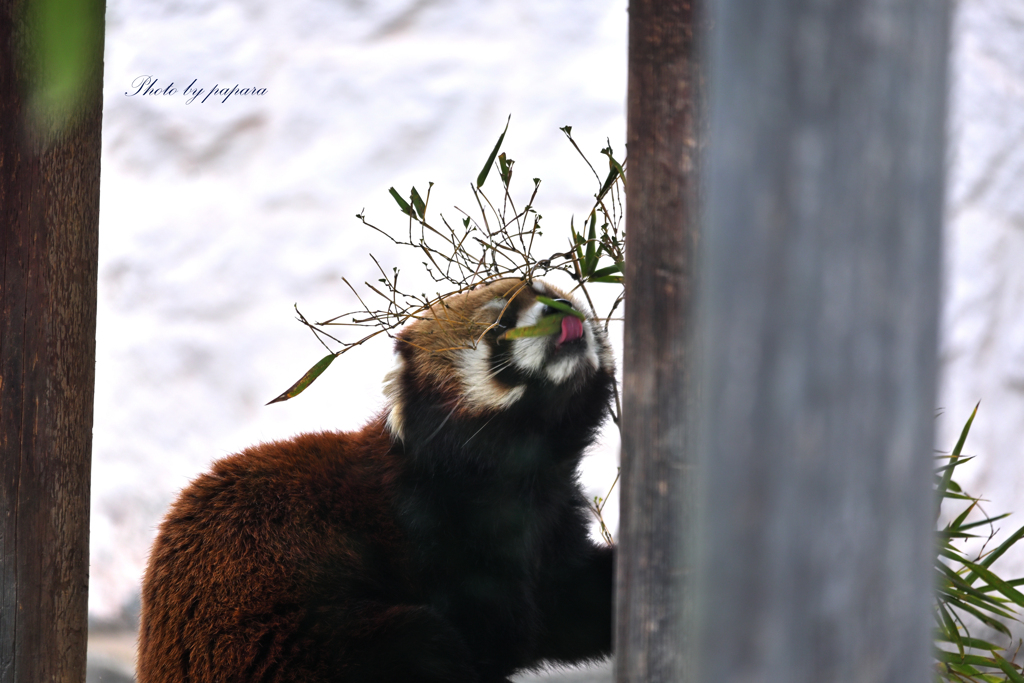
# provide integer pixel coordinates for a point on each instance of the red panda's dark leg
(409, 643)
(576, 605)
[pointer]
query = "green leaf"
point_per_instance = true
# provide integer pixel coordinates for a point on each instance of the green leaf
(64, 36)
(986, 619)
(972, 675)
(990, 577)
(417, 201)
(950, 630)
(505, 169)
(549, 324)
(1014, 583)
(1008, 669)
(617, 268)
(974, 643)
(1003, 547)
(490, 159)
(402, 204)
(984, 522)
(559, 306)
(954, 658)
(955, 456)
(952, 465)
(607, 184)
(955, 524)
(590, 258)
(306, 379)
(616, 279)
(615, 171)
(614, 164)
(965, 591)
(577, 241)
(967, 428)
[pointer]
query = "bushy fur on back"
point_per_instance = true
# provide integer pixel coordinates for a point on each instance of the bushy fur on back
(444, 542)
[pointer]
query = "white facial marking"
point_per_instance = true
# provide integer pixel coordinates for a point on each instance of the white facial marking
(532, 354)
(529, 354)
(591, 353)
(393, 393)
(479, 387)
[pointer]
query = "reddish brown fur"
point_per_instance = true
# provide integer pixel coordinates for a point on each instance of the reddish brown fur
(256, 541)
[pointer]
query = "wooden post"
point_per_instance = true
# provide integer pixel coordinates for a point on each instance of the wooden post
(818, 339)
(49, 212)
(664, 128)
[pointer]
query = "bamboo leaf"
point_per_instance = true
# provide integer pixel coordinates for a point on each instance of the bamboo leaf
(1008, 669)
(950, 630)
(490, 159)
(974, 643)
(615, 171)
(955, 456)
(417, 202)
(963, 434)
(964, 590)
(954, 658)
(306, 379)
(985, 522)
(1003, 547)
(985, 619)
(955, 524)
(1014, 583)
(590, 258)
(607, 184)
(549, 324)
(990, 577)
(961, 461)
(559, 306)
(577, 241)
(505, 169)
(602, 272)
(402, 204)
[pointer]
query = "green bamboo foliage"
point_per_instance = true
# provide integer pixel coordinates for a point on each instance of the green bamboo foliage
(968, 591)
(497, 242)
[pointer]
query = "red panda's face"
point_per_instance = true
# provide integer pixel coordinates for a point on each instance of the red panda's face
(463, 351)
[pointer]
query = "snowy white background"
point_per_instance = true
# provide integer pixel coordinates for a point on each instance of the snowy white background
(217, 217)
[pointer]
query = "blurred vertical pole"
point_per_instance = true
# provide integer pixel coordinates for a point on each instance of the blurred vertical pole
(664, 128)
(819, 313)
(51, 66)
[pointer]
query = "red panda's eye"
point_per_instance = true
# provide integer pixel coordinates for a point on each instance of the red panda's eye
(549, 310)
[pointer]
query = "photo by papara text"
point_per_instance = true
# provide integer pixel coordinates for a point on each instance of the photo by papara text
(150, 85)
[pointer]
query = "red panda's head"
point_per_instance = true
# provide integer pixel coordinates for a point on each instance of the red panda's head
(461, 352)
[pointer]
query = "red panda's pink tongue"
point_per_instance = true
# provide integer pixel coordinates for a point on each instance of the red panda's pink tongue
(572, 329)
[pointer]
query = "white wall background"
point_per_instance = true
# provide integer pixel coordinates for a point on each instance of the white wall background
(217, 217)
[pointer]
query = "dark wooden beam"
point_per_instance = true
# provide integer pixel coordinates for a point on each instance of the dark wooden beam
(49, 212)
(663, 135)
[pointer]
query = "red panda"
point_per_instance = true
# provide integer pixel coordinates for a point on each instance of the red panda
(445, 542)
